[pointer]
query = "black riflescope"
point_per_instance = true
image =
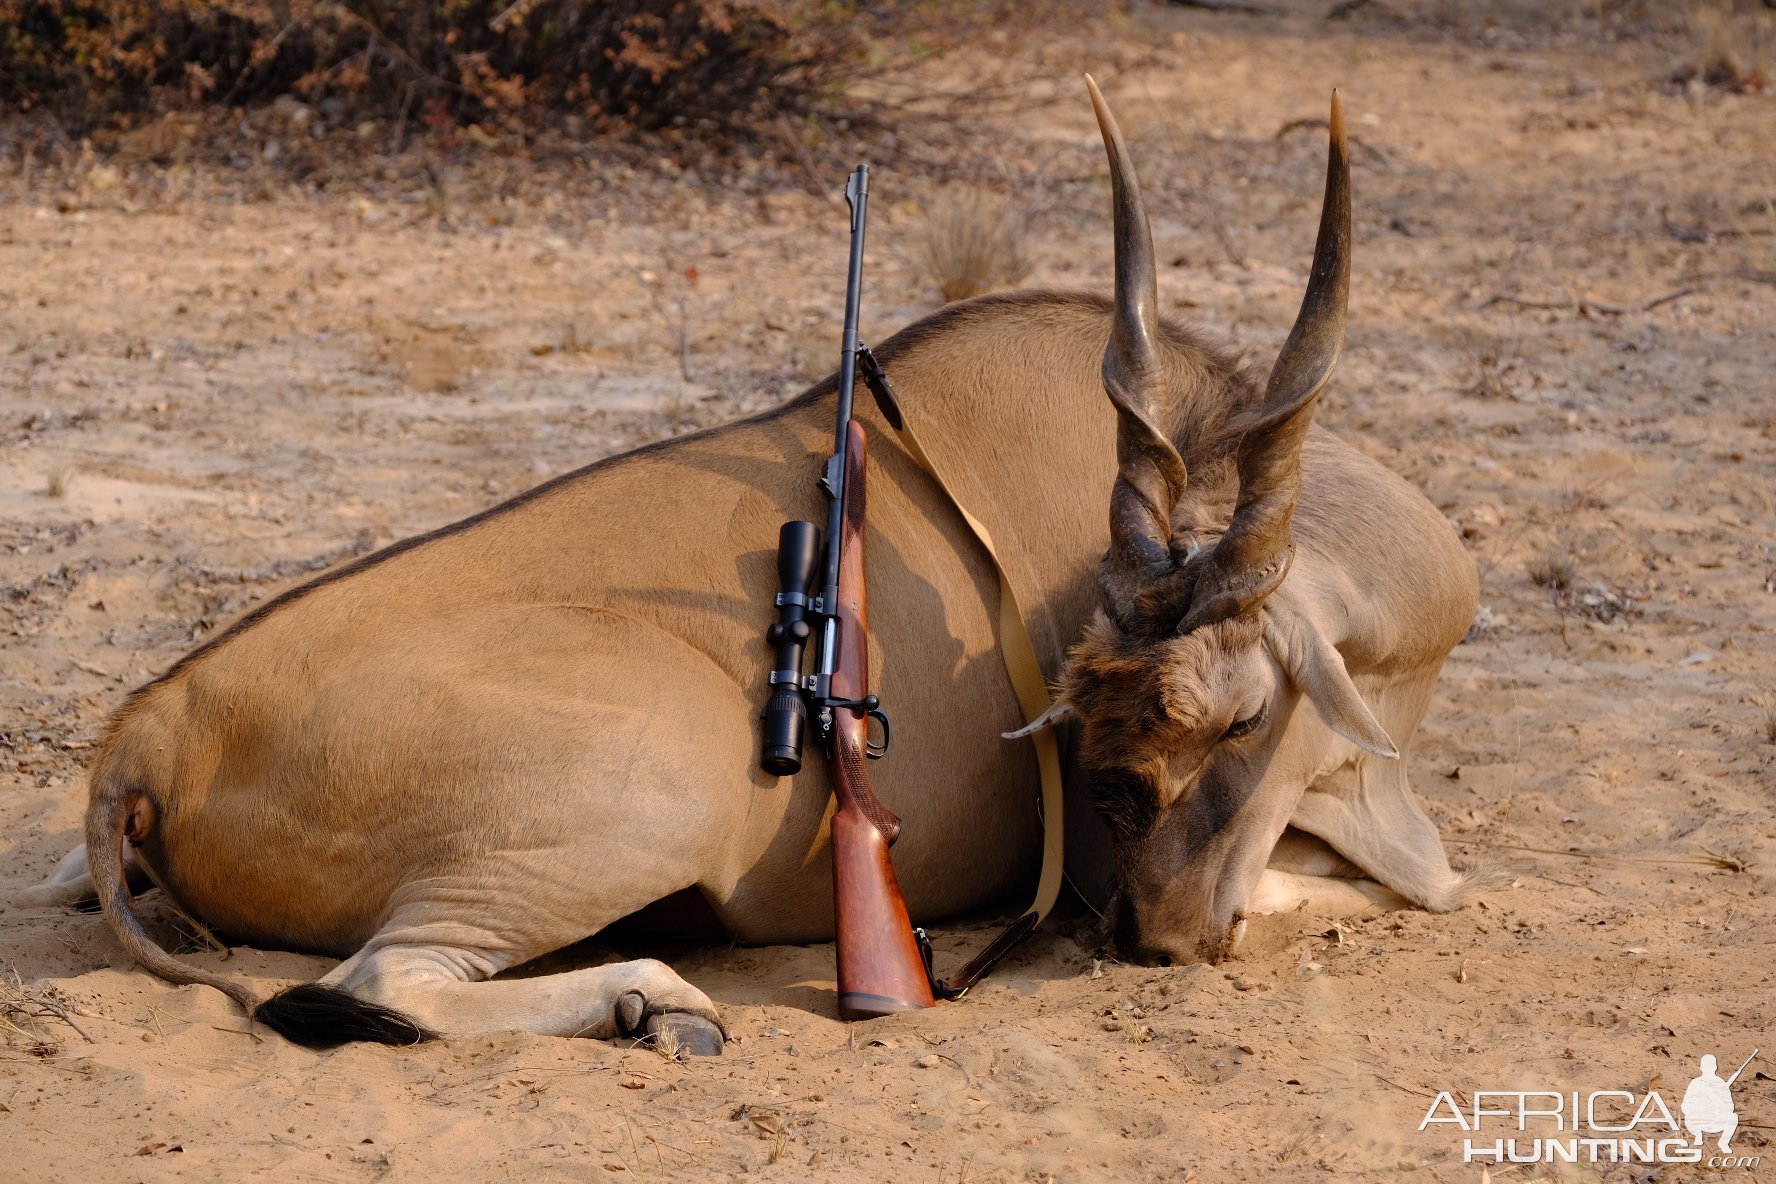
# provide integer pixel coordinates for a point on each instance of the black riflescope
(786, 716)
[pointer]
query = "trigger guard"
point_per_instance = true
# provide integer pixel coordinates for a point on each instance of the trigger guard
(871, 749)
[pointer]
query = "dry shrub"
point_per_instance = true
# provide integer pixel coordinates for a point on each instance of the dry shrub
(709, 66)
(971, 242)
(24, 1010)
(1552, 569)
(1728, 47)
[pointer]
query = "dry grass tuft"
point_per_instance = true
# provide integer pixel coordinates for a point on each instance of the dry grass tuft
(1726, 49)
(1725, 860)
(665, 1042)
(1766, 704)
(194, 936)
(1498, 367)
(573, 342)
(1552, 569)
(60, 482)
(971, 242)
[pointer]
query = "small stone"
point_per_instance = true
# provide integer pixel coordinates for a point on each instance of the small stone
(928, 1061)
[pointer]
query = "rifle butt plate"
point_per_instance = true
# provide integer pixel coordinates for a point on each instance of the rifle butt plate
(855, 1005)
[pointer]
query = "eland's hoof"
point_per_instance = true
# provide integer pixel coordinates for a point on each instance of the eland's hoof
(693, 1035)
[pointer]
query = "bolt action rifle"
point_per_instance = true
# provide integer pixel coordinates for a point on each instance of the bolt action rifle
(883, 964)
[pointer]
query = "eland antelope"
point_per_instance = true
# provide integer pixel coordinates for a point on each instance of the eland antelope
(488, 742)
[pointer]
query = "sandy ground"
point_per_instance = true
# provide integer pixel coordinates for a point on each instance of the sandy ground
(215, 381)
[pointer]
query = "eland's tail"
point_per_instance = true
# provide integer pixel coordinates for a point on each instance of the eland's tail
(120, 811)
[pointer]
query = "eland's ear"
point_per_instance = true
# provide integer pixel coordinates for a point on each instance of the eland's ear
(1056, 714)
(1318, 672)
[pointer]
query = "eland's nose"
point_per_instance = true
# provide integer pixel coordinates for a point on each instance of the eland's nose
(1144, 949)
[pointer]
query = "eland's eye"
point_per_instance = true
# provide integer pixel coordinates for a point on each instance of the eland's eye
(1244, 727)
(1126, 800)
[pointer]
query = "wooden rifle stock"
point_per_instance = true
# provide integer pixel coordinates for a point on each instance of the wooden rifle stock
(881, 970)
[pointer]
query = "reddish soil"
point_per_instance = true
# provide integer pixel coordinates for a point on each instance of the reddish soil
(216, 381)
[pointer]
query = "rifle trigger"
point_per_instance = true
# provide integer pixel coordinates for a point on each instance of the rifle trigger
(871, 749)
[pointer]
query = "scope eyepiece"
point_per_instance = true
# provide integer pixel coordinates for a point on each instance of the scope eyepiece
(786, 719)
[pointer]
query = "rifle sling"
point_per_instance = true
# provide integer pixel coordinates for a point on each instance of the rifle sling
(1019, 655)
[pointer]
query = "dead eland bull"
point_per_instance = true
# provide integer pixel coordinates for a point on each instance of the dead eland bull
(487, 743)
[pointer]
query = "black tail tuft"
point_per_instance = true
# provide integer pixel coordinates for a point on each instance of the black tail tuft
(325, 1017)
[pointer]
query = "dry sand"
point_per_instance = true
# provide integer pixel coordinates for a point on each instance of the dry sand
(233, 381)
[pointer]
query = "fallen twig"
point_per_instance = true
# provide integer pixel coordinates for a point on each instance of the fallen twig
(1228, 6)
(1708, 234)
(1346, 8)
(815, 183)
(16, 1001)
(1372, 1067)
(1570, 884)
(1743, 273)
(1706, 859)
(1582, 305)
(1312, 122)
(515, 12)
(1692, 285)
(1650, 305)
(257, 1039)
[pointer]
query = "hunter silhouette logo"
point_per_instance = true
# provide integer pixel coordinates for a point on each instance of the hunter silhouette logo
(1599, 1126)
(1708, 1104)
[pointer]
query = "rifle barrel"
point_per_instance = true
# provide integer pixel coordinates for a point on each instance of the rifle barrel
(857, 194)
